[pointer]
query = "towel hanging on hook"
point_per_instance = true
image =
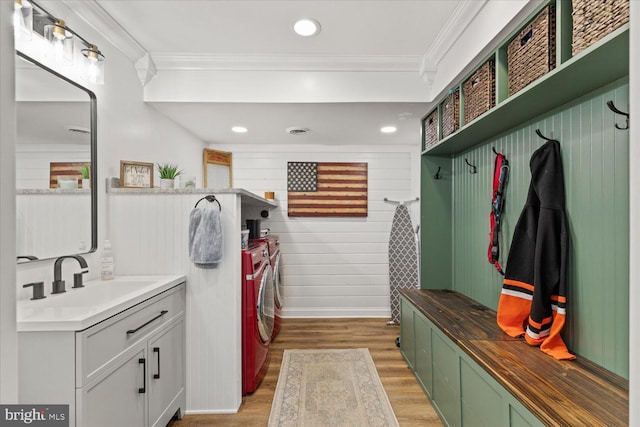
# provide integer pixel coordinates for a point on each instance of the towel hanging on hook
(613, 108)
(210, 198)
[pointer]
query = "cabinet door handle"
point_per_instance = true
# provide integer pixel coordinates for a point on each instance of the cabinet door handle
(133, 331)
(143, 362)
(157, 350)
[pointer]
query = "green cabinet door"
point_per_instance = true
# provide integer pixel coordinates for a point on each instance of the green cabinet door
(407, 337)
(446, 379)
(423, 368)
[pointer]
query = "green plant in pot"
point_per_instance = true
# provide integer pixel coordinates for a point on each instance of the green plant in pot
(168, 172)
(85, 171)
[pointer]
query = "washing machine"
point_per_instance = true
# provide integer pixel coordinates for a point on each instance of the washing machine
(275, 256)
(257, 314)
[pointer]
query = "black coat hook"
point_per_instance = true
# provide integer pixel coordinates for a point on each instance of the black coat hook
(474, 169)
(542, 136)
(437, 175)
(494, 151)
(613, 108)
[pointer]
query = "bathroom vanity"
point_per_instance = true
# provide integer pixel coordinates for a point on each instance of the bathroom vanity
(113, 351)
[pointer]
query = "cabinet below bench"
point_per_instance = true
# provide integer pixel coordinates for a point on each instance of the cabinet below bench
(476, 375)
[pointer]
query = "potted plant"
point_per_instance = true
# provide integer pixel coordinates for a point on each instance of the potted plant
(168, 172)
(85, 171)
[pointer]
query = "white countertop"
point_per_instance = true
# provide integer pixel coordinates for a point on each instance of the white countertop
(78, 309)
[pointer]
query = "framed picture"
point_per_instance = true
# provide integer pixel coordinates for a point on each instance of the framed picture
(136, 174)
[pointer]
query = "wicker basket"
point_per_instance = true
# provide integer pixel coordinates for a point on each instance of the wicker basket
(532, 53)
(592, 20)
(450, 109)
(430, 128)
(480, 91)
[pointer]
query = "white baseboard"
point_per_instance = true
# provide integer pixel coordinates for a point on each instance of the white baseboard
(352, 312)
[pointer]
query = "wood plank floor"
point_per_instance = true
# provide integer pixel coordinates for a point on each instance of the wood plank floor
(411, 406)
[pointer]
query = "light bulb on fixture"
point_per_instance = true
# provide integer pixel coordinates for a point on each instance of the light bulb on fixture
(388, 129)
(60, 42)
(22, 20)
(93, 65)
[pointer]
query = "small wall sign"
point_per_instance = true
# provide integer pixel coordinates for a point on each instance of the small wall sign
(136, 174)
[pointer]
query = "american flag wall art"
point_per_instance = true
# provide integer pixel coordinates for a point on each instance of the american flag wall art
(327, 189)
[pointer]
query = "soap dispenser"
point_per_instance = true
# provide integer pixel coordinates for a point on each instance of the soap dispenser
(107, 270)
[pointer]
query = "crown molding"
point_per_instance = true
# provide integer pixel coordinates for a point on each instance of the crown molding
(94, 15)
(460, 18)
(261, 62)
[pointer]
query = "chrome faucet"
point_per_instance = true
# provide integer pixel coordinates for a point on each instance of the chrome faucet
(58, 283)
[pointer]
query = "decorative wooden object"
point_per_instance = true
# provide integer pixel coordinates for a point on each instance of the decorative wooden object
(216, 161)
(69, 169)
(327, 189)
(136, 174)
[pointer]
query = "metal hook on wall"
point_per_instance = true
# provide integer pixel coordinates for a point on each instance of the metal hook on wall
(542, 136)
(474, 169)
(438, 175)
(613, 108)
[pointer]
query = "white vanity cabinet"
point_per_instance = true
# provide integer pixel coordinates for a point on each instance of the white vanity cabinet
(127, 370)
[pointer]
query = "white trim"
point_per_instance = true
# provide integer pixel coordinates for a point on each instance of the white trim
(284, 62)
(327, 313)
(460, 18)
(98, 18)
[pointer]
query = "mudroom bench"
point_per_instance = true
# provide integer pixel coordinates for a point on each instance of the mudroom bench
(476, 375)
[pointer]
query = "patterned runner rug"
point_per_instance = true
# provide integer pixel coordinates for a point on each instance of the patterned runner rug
(330, 388)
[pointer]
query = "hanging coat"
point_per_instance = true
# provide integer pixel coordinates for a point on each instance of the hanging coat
(533, 298)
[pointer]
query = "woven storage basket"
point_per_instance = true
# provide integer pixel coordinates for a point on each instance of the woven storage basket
(480, 91)
(532, 53)
(430, 127)
(593, 20)
(450, 109)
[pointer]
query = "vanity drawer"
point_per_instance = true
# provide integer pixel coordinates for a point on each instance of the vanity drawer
(98, 345)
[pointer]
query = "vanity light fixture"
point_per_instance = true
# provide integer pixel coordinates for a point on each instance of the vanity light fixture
(60, 46)
(93, 65)
(58, 50)
(239, 129)
(22, 19)
(388, 129)
(306, 27)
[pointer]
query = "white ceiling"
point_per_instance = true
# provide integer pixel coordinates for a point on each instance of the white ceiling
(180, 33)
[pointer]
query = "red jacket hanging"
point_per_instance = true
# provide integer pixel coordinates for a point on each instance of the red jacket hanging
(533, 298)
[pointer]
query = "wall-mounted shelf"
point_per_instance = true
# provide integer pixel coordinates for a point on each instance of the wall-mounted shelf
(604, 62)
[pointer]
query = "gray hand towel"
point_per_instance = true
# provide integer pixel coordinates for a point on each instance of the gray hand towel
(205, 235)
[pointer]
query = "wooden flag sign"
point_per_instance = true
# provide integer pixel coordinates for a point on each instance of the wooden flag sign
(327, 189)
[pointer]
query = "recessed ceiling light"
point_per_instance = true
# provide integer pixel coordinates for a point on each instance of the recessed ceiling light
(388, 129)
(239, 129)
(306, 27)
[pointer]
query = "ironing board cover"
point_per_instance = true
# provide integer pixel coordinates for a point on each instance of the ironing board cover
(403, 258)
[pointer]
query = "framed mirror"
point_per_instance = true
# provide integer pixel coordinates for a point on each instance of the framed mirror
(56, 209)
(217, 169)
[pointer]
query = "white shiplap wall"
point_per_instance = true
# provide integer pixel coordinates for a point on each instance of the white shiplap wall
(33, 161)
(332, 267)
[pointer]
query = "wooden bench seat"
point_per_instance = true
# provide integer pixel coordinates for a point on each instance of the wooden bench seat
(558, 393)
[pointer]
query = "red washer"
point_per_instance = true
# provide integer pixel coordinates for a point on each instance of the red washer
(257, 314)
(275, 257)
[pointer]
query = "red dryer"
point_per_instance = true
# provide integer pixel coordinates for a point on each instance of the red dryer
(275, 257)
(257, 314)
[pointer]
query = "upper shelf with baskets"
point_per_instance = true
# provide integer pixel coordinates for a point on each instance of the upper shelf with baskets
(536, 70)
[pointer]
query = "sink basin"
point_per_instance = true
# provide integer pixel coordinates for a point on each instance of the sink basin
(78, 309)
